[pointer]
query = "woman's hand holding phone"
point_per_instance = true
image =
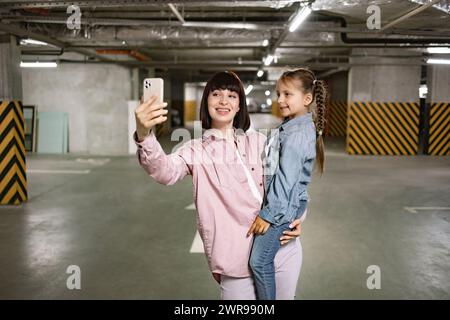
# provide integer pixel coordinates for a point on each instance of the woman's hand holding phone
(148, 114)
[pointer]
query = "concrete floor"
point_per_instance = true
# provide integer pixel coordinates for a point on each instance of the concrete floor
(131, 237)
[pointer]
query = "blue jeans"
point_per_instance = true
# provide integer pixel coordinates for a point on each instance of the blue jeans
(265, 247)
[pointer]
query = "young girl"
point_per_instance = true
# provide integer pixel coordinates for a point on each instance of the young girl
(290, 155)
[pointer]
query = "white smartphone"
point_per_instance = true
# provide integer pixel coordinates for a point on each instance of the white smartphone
(154, 87)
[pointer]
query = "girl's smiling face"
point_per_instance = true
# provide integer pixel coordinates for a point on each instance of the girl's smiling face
(223, 105)
(292, 101)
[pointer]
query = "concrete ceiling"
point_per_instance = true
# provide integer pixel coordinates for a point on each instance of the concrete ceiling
(219, 34)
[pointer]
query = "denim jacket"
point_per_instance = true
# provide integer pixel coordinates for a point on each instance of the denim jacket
(288, 165)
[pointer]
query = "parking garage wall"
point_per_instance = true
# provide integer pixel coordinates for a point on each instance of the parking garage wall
(95, 98)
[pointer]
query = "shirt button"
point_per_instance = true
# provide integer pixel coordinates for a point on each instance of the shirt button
(253, 169)
(243, 155)
(260, 184)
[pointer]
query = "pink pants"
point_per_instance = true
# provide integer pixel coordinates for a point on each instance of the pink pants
(288, 262)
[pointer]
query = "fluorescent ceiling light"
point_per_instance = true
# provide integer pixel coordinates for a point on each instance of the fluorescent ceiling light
(268, 60)
(265, 43)
(260, 73)
(438, 61)
(249, 89)
(269, 101)
(267, 93)
(438, 50)
(38, 64)
(299, 18)
(31, 41)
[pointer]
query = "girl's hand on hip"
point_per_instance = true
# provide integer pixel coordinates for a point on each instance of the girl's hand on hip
(294, 233)
(259, 226)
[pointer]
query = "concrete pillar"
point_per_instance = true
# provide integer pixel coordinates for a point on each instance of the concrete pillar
(10, 73)
(177, 102)
(336, 124)
(391, 76)
(384, 103)
(338, 86)
(150, 72)
(13, 179)
(438, 83)
(135, 84)
(437, 129)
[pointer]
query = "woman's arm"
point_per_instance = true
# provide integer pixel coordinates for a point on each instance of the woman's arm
(165, 169)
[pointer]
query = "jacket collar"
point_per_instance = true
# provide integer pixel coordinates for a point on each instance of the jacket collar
(289, 125)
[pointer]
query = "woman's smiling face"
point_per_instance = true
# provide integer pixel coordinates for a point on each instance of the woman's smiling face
(223, 105)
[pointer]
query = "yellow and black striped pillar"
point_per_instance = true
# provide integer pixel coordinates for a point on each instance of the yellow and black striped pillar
(383, 128)
(13, 182)
(439, 134)
(337, 119)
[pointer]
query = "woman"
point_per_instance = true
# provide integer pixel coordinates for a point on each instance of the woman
(227, 176)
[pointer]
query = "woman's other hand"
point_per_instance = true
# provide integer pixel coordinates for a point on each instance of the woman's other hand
(296, 227)
(217, 277)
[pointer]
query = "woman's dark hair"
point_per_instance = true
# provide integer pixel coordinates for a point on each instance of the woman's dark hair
(310, 84)
(225, 80)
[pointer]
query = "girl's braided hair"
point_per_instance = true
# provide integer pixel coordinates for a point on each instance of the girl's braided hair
(318, 89)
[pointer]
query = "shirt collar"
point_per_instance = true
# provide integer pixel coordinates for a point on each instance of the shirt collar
(291, 124)
(215, 134)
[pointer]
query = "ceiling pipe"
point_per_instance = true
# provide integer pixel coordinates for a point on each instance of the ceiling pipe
(409, 14)
(140, 22)
(94, 22)
(346, 39)
(175, 48)
(330, 72)
(25, 33)
(176, 13)
(196, 65)
(43, 52)
(21, 4)
(138, 55)
(132, 53)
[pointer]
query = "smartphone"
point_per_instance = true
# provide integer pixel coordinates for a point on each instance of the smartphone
(154, 87)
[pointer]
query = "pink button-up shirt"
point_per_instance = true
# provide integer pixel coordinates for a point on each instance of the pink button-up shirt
(226, 207)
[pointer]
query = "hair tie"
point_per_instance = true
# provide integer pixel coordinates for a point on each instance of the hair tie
(314, 82)
(320, 132)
